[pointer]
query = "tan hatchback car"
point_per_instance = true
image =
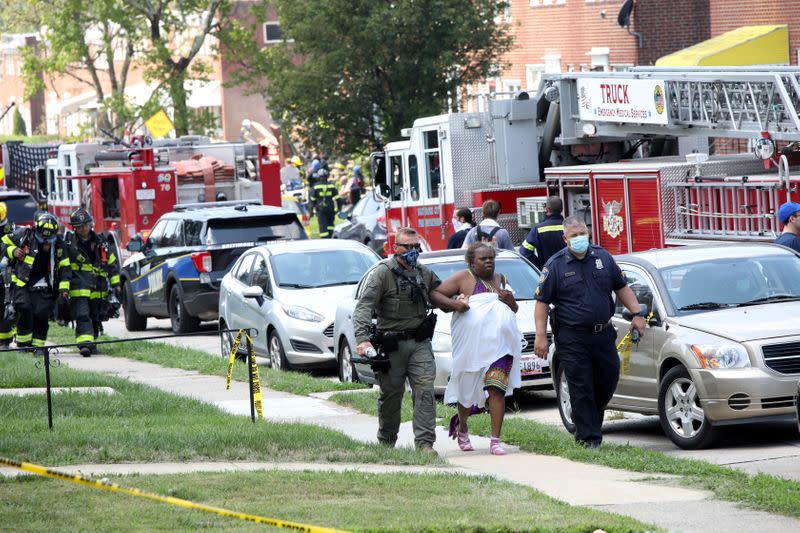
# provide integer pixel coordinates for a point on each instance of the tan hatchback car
(722, 347)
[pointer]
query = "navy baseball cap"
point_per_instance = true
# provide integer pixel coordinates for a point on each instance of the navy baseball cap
(786, 210)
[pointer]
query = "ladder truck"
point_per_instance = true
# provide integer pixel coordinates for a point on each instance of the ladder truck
(607, 143)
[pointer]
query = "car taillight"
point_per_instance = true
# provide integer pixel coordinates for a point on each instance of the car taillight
(202, 261)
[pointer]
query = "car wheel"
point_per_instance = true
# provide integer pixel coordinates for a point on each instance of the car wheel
(277, 357)
(133, 320)
(682, 417)
(564, 403)
(347, 370)
(227, 340)
(182, 321)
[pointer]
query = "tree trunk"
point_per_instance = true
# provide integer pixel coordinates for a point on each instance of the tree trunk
(180, 112)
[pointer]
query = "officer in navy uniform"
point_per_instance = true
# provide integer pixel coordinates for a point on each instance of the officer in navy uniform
(547, 237)
(579, 281)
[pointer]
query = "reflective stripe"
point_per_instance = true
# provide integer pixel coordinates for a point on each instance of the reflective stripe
(18, 282)
(528, 246)
(28, 260)
(80, 293)
(63, 263)
(6, 335)
(24, 338)
(84, 267)
(63, 285)
(111, 259)
(37, 342)
(10, 250)
(84, 338)
(114, 280)
(98, 294)
(554, 227)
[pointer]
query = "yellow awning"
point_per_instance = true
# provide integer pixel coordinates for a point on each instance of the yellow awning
(748, 45)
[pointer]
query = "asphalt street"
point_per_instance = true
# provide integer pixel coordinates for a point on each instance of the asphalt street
(771, 448)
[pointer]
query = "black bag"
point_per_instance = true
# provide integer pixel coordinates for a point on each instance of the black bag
(482, 236)
(425, 330)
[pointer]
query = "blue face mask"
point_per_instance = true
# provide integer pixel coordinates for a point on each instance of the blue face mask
(410, 257)
(579, 244)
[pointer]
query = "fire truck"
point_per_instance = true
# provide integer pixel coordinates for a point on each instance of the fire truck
(608, 144)
(128, 187)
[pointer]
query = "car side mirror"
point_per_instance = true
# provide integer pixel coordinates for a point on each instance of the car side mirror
(627, 315)
(135, 244)
(254, 292)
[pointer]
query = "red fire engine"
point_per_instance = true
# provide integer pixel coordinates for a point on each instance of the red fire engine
(599, 140)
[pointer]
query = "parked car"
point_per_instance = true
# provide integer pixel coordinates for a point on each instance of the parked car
(176, 272)
(722, 346)
(523, 278)
(20, 207)
(288, 291)
(365, 223)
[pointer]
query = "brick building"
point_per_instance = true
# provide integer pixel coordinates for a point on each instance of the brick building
(572, 35)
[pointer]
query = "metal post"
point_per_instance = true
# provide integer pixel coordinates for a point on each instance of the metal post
(250, 363)
(47, 381)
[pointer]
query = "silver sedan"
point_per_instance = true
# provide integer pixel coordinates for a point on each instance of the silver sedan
(288, 292)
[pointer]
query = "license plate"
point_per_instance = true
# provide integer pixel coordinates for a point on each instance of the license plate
(531, 366)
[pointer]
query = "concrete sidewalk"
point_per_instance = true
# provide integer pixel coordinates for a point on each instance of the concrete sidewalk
(651, 498)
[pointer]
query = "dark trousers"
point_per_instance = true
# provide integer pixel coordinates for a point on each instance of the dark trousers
(33, 315)
(325, 220)
(6, 327)
(591, 364)
(86, 314)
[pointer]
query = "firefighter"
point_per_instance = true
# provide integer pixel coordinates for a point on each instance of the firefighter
(94, 268)
(6, 324)
(39, 269)
(323, 201)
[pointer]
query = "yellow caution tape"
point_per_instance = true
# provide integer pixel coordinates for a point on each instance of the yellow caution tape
(624, 349)
(257, 400)
(113, 487)
(231, 358)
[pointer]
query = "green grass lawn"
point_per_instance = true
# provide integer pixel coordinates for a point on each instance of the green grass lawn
(764, 492)
(140, 423)
(206, 363)
(350, 500)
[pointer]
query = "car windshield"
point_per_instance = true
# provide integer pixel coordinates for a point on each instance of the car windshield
(522, 277)
(321, 268)
(733, 282)
(254, 229)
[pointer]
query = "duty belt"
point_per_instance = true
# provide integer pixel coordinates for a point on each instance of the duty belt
(591, 328)
(402, 335)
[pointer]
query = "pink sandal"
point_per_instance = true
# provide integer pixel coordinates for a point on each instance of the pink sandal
(495, 448)
(463, 442)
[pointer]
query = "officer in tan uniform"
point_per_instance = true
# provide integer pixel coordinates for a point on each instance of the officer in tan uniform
(400, 292)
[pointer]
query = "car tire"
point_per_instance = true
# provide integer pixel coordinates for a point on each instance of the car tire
(562, 397)
(277, 355)
(133, 320)
(179, 317)
(347, 370)
(226, 343)
(679, 410)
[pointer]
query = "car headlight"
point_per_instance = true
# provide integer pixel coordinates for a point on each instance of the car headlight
(301, 313)
(441, 342)
(721, 356)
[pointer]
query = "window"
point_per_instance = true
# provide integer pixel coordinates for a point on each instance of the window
(533, 75)
(641, 288)
(172, 234)
(261, 275)
(433, 169)
(322, 268)
(243, 270)
(542, 3)
(273, 32)
(552, 63)
(413, 176)
(599, 57)
(254, 229)
(191, 232)
(511, 86)
(154, 240)
(504, 15)
(396, 176)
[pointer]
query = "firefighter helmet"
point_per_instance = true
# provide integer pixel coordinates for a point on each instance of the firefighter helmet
(79, 217)
(296, 161)
(3, 212)
(46, 227)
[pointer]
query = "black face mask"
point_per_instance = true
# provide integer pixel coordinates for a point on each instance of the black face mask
(410, 257)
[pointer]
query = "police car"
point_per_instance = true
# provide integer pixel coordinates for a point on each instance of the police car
(176, 272)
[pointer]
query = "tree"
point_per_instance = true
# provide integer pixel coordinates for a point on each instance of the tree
(190, 20)
(355, 72)
(20, 128)
(92, 41)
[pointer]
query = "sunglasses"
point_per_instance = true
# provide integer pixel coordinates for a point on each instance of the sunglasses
(417, 246)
